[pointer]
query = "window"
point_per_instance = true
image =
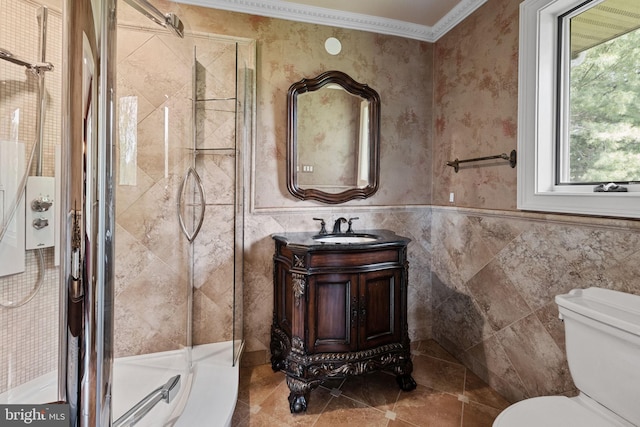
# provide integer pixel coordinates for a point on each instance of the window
(579, 106)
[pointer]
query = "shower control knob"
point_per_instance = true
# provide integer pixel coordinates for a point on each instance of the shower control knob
(40, 223)
(41, 204)
(40, 215)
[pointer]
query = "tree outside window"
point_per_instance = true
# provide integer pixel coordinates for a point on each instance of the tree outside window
(604, 131)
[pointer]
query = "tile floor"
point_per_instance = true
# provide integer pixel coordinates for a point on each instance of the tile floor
(448, 395)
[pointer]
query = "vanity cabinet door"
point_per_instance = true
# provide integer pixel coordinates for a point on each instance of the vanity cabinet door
(380, 301)
(333, 310)
(283, 294)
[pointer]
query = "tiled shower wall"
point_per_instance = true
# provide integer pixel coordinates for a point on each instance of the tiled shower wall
(152, 255)
(151, 258)
(29, 334)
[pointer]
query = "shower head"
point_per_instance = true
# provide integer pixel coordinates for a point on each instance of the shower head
(168, 20)
(34, 67)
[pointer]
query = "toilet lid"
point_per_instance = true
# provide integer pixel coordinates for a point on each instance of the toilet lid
(550, 411)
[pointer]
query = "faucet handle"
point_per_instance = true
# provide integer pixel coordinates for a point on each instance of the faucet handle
(41, 204)
(323, 230)
(349, 230)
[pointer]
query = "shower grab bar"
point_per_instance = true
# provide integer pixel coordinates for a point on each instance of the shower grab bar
(191, 236)
(165, 392)
(169, 20)
(35, 67)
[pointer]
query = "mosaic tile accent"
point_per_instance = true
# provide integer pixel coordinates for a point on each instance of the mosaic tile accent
(29, 334)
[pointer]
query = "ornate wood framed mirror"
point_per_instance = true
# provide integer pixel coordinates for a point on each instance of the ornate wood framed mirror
(333, 139)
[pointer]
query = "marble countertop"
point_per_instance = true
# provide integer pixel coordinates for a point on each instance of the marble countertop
(306, 239)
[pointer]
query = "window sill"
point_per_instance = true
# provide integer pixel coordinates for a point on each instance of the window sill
(620, 205)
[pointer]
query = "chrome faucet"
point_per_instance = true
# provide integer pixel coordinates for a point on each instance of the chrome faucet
(337, 225)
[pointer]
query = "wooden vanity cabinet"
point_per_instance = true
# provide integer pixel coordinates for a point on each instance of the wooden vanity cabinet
(339, 309)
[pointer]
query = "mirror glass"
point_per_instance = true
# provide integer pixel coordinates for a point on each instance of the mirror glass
(333, 139)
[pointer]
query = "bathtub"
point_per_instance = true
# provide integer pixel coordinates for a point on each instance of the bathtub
(213, 385)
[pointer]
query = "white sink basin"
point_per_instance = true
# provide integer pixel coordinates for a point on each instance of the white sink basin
(345, 239)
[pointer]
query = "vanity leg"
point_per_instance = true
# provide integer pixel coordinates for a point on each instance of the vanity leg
(299, 394)
(403, 372)
(406, 382)
(297, 403)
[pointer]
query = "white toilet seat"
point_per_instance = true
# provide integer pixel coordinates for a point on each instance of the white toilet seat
(552, 411)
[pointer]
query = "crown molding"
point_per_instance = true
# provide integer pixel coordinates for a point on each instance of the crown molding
(455, 16)
(335, 18)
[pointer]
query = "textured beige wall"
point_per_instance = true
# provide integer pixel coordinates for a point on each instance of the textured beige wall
(399, 70)
(496, 271)
(476, 96)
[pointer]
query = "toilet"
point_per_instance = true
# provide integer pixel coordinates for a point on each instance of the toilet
(602, 329)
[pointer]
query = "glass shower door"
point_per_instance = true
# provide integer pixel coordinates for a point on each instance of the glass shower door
(223, 111)
(245, 114)
(153, 299)
(186, 108)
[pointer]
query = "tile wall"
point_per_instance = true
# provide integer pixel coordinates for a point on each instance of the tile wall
(152, 256)
(495, 276)
(496, 270)
(29, 334)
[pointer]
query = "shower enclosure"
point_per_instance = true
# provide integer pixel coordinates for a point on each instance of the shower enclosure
(184, 118)
(152, 284)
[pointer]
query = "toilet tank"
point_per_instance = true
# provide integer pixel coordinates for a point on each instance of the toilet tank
(602, 329)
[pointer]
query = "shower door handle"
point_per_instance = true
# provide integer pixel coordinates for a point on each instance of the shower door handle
(191, 172)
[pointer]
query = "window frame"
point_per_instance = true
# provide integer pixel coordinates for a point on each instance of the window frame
(538, 125)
